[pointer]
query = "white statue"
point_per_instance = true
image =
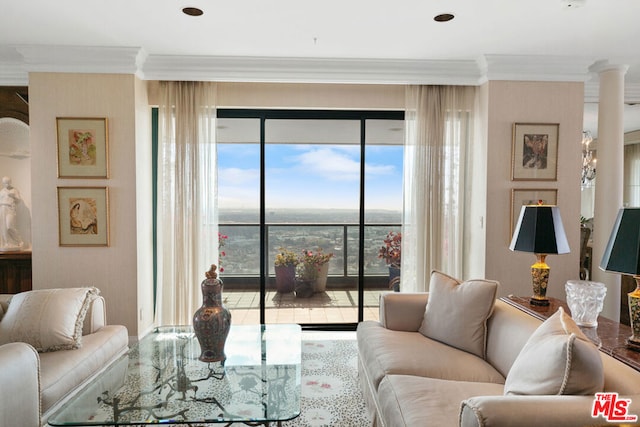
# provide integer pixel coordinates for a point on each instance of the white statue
(9, 197)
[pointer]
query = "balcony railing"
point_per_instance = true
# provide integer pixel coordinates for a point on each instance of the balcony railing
(242, 248)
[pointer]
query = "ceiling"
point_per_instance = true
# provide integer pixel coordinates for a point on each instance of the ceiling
(355, 40)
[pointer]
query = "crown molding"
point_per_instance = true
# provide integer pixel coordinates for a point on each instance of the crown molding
(535, 68)
(311, 70)
(82, 59)
(18, 61)
(13, 74)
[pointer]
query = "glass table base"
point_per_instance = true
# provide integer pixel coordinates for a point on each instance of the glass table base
(162, 381)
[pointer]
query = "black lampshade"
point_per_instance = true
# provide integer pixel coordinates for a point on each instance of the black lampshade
(622, 254)
(539, 230)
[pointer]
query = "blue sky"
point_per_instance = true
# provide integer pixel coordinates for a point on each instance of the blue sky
(310, 176)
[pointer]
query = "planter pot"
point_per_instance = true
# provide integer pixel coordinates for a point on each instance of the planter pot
(394, 278)
(321, 281)
(304, 288)
(285, 278)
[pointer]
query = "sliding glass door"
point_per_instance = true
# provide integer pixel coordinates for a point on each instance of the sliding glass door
(320, 188)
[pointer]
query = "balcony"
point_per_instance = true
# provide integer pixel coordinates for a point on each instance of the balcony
(329, 307)
(338, 304)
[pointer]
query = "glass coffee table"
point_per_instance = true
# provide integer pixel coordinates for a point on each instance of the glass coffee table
(161, 381)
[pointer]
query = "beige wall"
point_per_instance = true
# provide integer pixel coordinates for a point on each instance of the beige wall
(532, 102)
(114, 269)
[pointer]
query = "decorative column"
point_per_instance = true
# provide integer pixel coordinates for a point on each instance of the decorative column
(609, 178)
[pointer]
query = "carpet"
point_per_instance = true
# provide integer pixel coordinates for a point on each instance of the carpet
(331, 395)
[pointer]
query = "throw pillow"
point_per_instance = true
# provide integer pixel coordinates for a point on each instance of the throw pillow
(557, 359)
(48, 319)
(457, 312)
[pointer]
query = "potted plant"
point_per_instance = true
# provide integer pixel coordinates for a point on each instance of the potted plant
(391, 252)
(222, 240)
(285, 268)
(314, 267)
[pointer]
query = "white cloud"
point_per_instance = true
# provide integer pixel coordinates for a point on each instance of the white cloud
(330, 164)
(337, 164)
(234, 176)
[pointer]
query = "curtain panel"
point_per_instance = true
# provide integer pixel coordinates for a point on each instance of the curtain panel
(632, 175)
(187, 223)
(439, 129)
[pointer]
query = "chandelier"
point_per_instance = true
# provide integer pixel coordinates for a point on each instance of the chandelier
(588, 160)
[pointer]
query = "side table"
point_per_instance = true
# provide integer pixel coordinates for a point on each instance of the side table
(15, 272)
(613, 335)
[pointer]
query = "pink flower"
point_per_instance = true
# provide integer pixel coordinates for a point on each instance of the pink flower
(391, 252)
(222, 240)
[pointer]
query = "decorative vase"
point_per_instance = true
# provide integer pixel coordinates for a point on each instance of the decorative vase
(212, 321)
(321, 281)
(394, 278)
(585, 300)
(285, 278)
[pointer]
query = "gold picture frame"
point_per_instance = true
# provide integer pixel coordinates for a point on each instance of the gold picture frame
(83, 147)
(534, 152)
(83, 216)
(529, 196)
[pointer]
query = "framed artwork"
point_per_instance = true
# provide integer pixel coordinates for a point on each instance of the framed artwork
(534, 152)
(83, 147)
(83, 216)
(522, 197)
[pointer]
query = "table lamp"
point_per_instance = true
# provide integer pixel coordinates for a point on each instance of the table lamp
(622, 255)
(539, 230)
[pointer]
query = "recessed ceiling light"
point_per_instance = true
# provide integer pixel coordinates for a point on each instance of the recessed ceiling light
(573, 4)
(443, 17)
(192, 11)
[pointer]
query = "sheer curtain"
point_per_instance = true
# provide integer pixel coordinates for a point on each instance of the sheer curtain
(438, 133)
(187, 223)
(632, 175)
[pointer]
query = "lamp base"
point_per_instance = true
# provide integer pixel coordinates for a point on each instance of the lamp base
(540, 278)
(633, 342)
(539, 301)
(633, 345)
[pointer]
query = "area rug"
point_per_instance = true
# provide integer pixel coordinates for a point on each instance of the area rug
(330, 392)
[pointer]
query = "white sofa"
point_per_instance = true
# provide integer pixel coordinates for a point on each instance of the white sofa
(34, 384)
(409, 379)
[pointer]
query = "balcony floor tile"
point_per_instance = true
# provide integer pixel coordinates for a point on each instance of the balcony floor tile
(332, 306)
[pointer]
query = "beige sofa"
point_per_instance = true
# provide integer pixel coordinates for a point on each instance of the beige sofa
(34, 384)
(410, 380)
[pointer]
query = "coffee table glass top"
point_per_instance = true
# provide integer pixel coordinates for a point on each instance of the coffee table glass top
(162, 381)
